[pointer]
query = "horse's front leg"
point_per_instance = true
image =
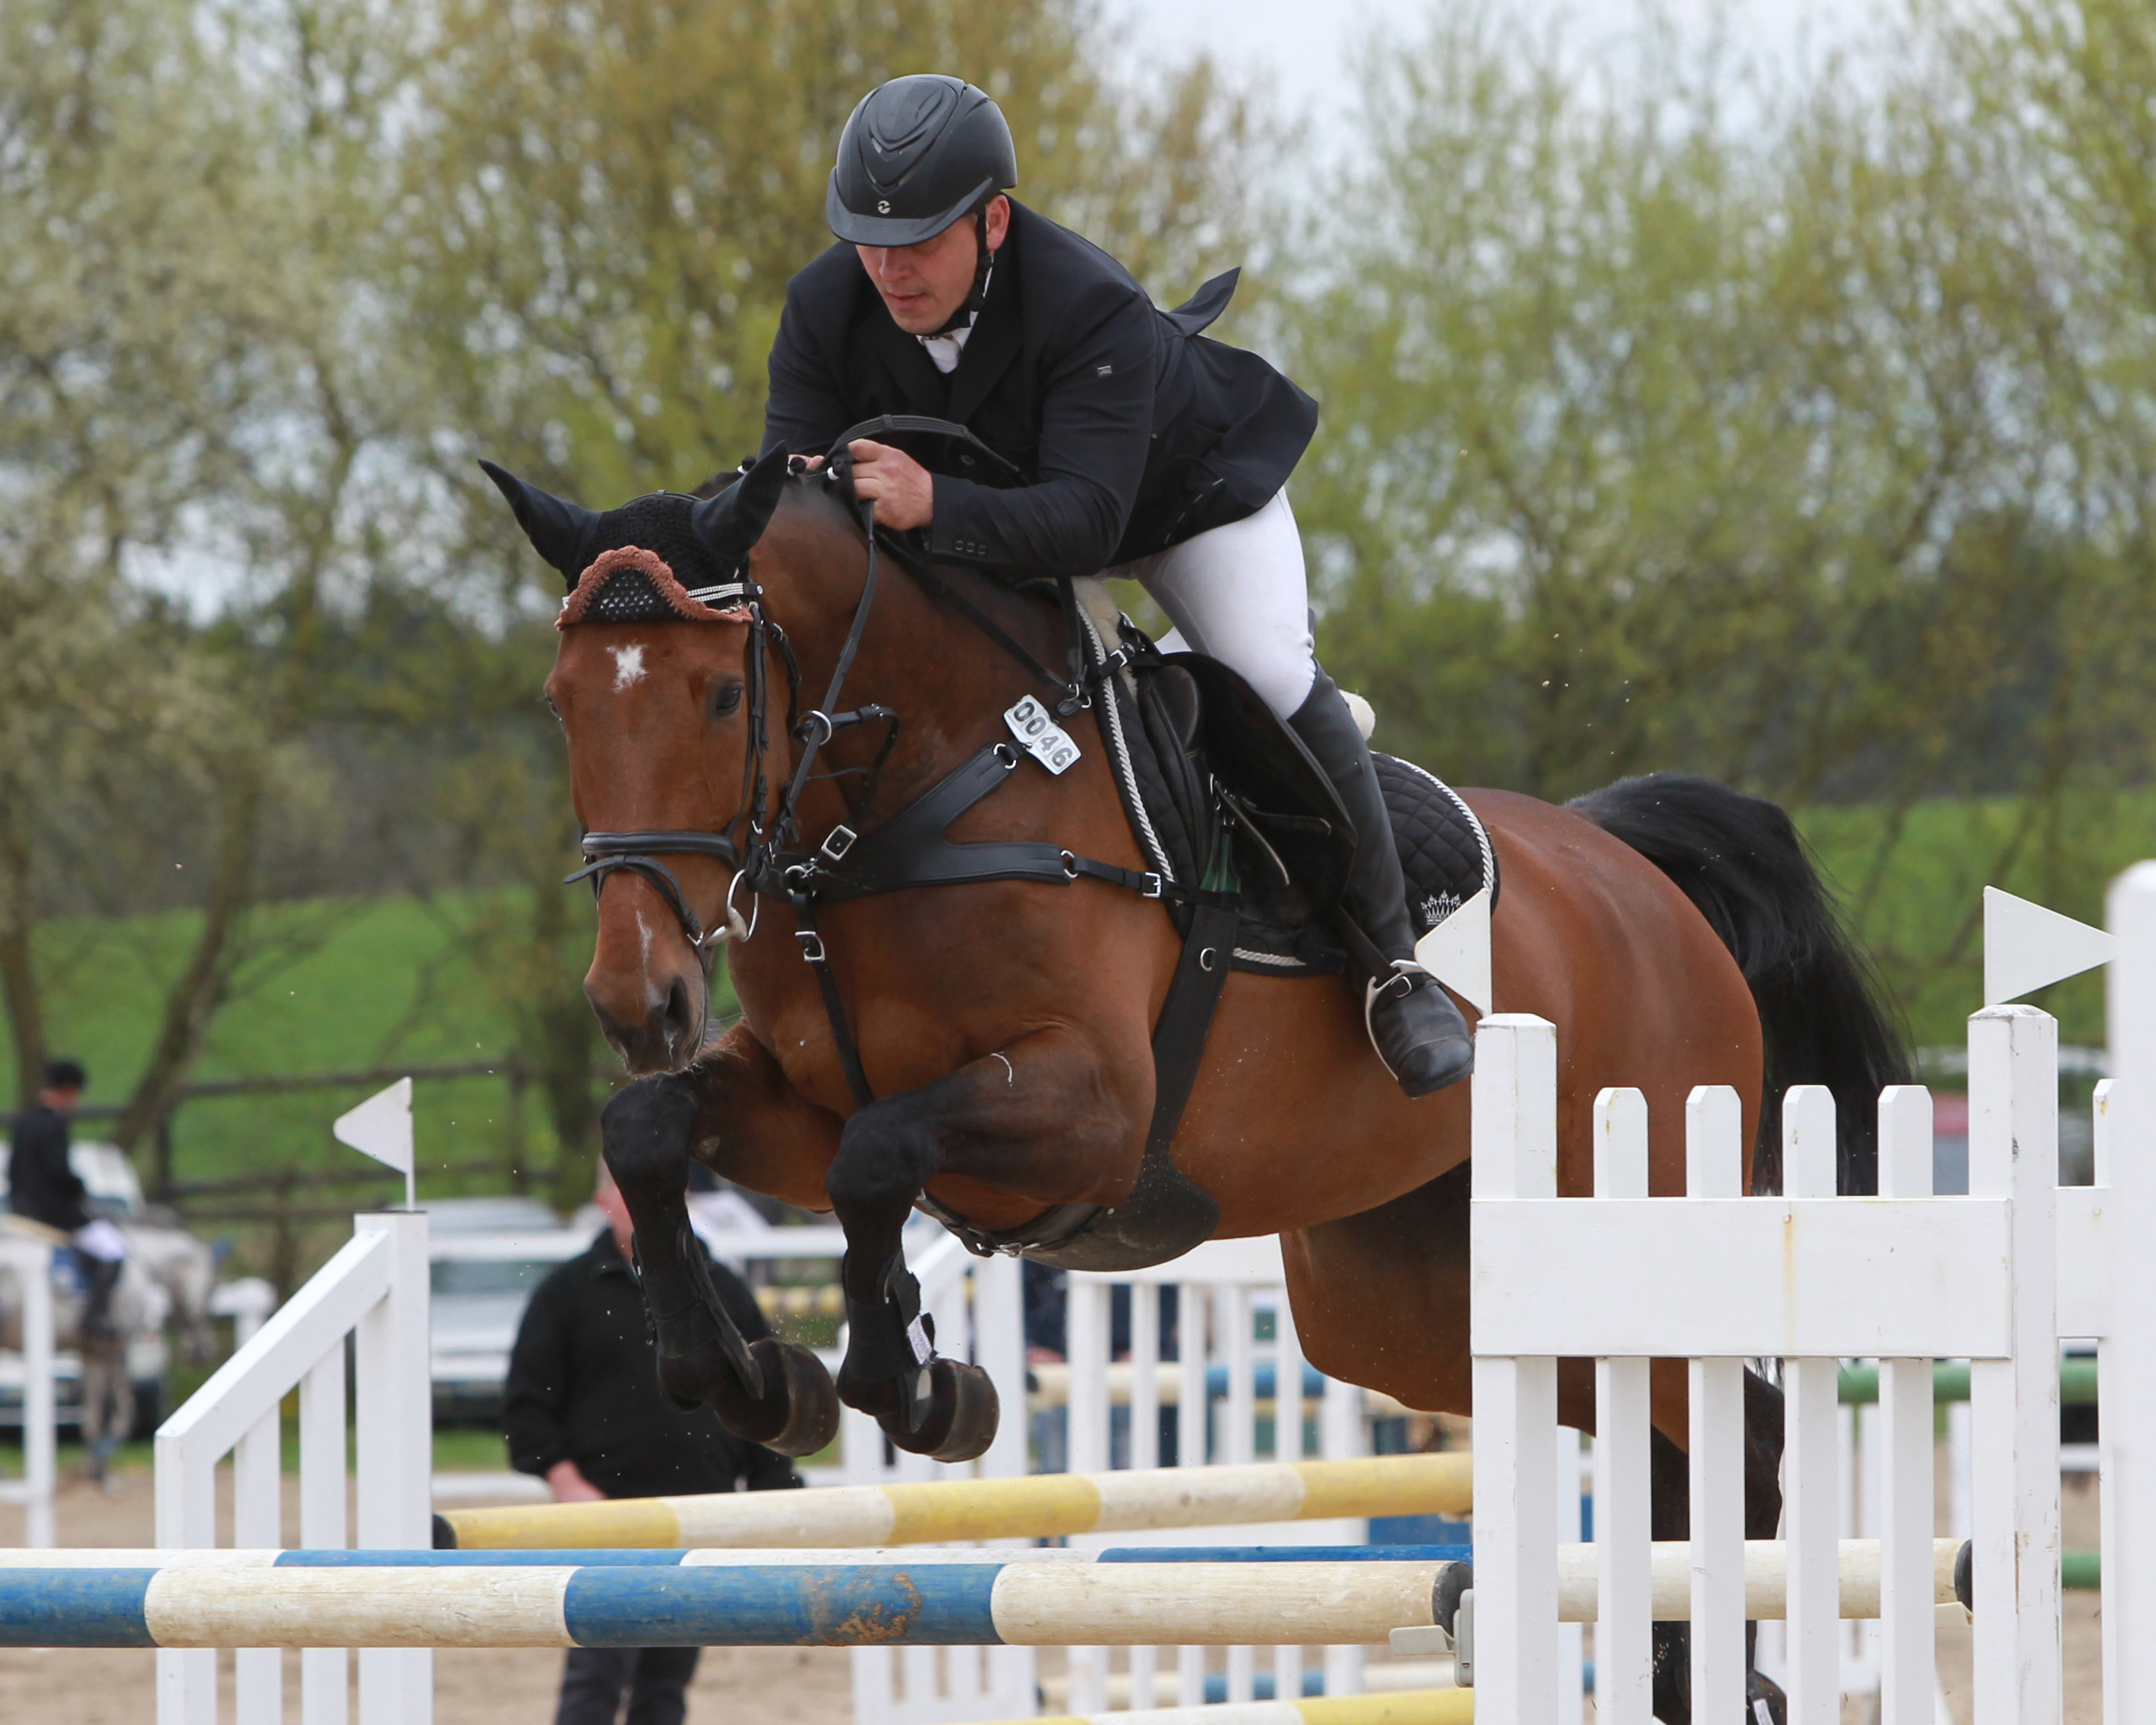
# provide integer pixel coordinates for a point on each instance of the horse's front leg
(1043, 1119)
(735, 1111)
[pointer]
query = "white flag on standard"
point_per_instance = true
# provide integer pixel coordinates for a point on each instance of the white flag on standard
(381, 1126)
(2027, 947)
(1457, 952)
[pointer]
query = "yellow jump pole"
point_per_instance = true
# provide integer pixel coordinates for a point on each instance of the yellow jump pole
(1408, 1707)
(1041, 1506)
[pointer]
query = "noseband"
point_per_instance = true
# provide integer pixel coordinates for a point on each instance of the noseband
(640, 852)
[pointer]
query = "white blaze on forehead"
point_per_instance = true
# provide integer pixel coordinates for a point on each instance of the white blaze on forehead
(628, 667)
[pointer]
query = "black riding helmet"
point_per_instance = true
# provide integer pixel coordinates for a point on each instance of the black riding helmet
(918, 154)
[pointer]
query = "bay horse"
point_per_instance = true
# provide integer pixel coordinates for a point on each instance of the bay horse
(1674, 931)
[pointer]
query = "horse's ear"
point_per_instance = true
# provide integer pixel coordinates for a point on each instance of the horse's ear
(731, 522)
(557, 530)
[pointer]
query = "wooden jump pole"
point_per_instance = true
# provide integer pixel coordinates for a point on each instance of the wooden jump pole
(953, 1603)
(1037, 1506)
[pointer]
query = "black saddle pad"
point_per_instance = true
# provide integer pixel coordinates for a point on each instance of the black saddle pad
(1157, 735)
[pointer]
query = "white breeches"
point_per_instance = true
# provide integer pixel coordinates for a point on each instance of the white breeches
(1239, 594)
(100, 1240)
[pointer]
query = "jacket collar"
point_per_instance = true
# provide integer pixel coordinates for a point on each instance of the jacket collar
(902, 355)
(997, 332)
(607, 1258)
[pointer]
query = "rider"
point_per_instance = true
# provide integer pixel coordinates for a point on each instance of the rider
(42, 1187)
(1151, 452)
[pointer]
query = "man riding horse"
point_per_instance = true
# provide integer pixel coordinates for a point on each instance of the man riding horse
(763, 710)
(1150, 452)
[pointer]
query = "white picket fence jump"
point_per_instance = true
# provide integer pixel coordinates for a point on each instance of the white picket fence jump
(375, 1292)
(30, 1262)
(1998, 1278)
(1220, 1288)
(978, 1306)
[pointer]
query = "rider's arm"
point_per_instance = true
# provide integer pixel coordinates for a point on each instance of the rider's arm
(805, 410)
(1096, 428)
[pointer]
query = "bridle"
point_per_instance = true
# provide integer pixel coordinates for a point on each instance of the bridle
(908, 849)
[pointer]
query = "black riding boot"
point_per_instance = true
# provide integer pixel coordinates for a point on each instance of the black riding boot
(1417, 1031)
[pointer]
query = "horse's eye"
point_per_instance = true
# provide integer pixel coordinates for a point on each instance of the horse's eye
(552, 708)
(726, 701)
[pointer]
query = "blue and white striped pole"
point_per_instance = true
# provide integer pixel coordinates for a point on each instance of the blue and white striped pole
(1290, 1603)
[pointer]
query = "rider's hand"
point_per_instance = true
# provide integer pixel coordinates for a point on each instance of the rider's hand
(568, 1484)
(904, 492)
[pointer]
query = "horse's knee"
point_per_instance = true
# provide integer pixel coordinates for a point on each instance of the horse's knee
(881, 1163)
(646, 1129)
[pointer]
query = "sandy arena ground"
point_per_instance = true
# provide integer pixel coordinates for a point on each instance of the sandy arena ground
(734, 1685)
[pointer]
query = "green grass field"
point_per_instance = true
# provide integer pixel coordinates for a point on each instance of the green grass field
(376, 983)
(1918, 907)
(387, 981)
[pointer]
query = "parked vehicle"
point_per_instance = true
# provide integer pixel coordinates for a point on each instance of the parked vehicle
(489, 1257)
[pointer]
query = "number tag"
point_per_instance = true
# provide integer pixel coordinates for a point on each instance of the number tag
(1048, 741)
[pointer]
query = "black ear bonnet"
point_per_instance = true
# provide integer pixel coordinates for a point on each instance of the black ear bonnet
(703, 542)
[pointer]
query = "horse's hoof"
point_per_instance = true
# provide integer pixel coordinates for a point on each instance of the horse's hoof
(798, 1414)
(956, 1419)
(698, 1375)
(1764, 1702)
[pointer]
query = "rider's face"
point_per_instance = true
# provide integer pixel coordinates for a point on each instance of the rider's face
(923, 284)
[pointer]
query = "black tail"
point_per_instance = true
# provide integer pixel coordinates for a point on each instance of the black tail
(1821, 1007)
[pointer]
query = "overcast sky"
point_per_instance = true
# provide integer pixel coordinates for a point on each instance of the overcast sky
(1303, 46)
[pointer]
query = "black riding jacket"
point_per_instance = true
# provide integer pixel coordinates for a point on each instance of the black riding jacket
(583, 1386)
(41, 1185)
(1134, 431)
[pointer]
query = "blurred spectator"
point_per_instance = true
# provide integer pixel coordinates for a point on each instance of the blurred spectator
(583, 1409)
(42, 1187)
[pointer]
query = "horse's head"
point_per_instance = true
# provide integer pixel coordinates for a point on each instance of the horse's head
(656, 688)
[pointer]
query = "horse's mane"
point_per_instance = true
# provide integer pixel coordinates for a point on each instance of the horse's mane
(808, 490)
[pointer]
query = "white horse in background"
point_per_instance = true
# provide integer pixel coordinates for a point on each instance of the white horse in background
(166, 1279)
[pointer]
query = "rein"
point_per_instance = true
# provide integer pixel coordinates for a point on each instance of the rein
(908, 850)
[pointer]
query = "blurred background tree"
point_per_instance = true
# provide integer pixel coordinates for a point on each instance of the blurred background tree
(1795, 432)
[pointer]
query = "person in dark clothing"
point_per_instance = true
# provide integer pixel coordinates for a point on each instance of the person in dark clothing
(583, 1409)
(1143, 448)
(41, 1184)
(42, 1187)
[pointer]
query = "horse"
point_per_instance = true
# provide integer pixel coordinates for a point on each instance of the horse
(166, 1279)
(983, 1049)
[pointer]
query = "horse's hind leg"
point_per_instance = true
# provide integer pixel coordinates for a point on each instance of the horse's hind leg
(1671, 1519)
(771, 1392)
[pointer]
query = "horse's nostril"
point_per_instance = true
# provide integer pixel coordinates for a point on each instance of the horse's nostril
(680, 1014)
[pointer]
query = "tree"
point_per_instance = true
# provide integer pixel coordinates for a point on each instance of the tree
(1698, 448)
(178, 372)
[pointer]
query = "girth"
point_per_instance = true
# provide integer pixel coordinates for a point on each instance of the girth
(910, 849)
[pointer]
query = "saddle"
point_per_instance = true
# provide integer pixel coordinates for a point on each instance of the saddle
(1221, 792)
(1252, 846)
